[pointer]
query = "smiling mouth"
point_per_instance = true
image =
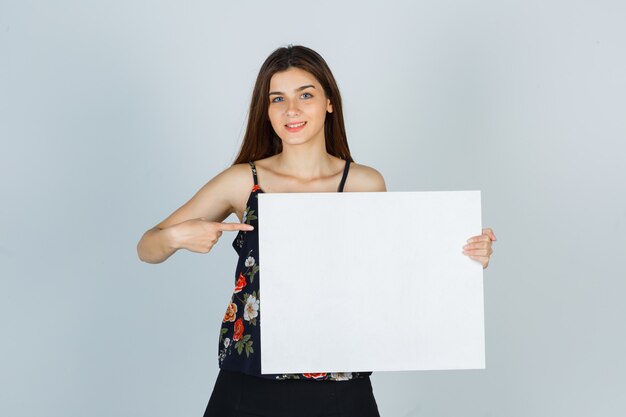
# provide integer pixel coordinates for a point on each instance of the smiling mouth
(295, 125)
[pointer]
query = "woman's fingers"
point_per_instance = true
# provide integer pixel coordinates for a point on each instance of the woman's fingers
(219, 228)
(479, 238)
(236, 226)
(479, 247)
(487, 236)
(200, 235)
(478, 252)
(487, 231)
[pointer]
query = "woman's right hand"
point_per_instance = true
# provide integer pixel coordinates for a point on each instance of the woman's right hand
(200, 235)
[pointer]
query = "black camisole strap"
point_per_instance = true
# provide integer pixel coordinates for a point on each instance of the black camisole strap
(256, 181)
(343, 178)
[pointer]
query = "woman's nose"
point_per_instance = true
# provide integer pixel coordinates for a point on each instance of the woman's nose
(292, 109)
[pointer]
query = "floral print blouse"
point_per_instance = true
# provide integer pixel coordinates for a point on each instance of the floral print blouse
(238, 347)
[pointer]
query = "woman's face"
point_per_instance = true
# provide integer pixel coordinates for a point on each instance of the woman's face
(296, 97)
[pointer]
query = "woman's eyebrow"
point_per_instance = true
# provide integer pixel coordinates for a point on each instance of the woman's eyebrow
(297, 89)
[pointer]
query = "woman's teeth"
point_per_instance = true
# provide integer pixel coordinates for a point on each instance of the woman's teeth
(297, 125)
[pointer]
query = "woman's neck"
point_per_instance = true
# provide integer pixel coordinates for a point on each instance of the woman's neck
(305, 161)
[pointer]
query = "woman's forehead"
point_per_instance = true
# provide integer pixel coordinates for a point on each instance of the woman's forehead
(292, 78)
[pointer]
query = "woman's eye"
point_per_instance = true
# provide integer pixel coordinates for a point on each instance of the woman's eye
(279, 99)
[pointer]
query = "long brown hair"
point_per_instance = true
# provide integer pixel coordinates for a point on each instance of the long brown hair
(260, 141)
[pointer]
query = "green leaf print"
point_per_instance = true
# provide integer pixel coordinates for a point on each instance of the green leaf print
(222, 333)
(252, 273)
(249, 216)
(249, 349)
(242, 343)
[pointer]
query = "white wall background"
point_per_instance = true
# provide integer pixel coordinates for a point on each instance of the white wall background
(114, 113)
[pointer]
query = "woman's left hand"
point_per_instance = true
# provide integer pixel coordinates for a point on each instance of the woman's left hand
(479, 247)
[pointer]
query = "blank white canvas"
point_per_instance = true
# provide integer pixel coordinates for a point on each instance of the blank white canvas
(369, 282)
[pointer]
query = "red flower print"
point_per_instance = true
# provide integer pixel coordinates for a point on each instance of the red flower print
(255, 188)
(314, 376)
(241, 282)
(238, 329)
(231, 311)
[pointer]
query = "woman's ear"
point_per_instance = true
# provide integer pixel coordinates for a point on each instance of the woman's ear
(329, 107)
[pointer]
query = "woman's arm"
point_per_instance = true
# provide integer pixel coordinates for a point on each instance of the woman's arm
(156, 245)
(197, 225)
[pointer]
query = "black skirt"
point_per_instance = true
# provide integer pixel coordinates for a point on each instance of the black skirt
(239, 395)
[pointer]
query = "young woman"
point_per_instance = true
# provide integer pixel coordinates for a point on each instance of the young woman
(295, 141)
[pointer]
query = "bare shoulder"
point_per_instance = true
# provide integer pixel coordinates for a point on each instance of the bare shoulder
(362, 178)
(224, 194)
(232, 187)
(238, 177)
(232, 183)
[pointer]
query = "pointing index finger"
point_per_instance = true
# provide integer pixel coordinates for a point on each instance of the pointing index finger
(236, 226)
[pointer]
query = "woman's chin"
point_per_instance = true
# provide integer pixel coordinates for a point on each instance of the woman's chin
(297, 141)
